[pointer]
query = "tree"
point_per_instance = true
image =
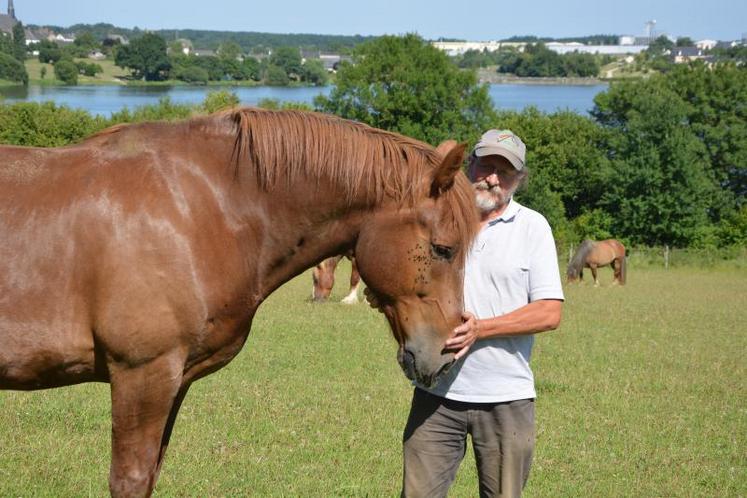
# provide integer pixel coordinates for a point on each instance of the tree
(145, 56)
(658, 189)
(12, 70)
(404, 84)
(86, 41)
(276, 76)
(19, 42)
(66, 71)
(289, 59)
(314, 72)
(684, 41)
(660, 46)
(49, 52)
(229, 51)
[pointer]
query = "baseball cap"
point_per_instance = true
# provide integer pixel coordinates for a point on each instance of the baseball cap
(502, 143)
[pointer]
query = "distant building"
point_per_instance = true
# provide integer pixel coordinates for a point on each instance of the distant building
(8, 21)
(706, 44)
(680, 55)
(204, 53)
(117, 39)
(567, 48)
(331, 62)
(458, 48)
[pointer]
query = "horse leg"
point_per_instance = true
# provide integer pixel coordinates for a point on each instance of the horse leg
(615, 265)
(594, 274)
(355, 281)
(145, 401)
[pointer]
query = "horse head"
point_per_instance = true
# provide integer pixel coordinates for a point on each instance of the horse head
(412, 260)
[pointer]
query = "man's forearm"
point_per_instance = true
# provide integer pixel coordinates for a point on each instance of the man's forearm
(538, 316)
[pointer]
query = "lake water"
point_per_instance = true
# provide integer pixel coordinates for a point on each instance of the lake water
(104, 100)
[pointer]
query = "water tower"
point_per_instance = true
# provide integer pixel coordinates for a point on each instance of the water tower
(650, 29)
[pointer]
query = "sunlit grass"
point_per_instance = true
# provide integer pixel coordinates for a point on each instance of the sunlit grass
(642, 392)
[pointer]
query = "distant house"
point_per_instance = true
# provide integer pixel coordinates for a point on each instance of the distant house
(204, 53)
(185, 44)
(331, 62)
(112, 38)
(61, 39)
(706, 44)
(680, 55)
(96, 55)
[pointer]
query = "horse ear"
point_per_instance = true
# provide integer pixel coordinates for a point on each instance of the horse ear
(443, 175)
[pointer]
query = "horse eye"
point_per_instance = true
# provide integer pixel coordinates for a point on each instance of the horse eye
(443, 252)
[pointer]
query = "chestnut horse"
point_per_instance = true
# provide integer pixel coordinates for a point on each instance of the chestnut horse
(323, 279)
(592, 255)
(140, 256)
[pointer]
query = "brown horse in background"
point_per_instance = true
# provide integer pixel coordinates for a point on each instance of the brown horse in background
(139, 257)
(323, 279)
(592, 255)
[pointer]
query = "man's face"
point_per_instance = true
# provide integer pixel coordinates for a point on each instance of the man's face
(495, 181)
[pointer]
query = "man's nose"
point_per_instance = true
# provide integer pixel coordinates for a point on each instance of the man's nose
(492, 180)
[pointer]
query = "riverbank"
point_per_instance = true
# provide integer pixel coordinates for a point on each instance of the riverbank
(489, 75)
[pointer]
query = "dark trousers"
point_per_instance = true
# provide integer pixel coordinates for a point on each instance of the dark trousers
(435, 441)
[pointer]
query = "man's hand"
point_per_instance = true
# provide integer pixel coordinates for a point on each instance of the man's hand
(463, 336)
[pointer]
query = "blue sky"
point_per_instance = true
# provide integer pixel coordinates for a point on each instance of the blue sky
(465, 19)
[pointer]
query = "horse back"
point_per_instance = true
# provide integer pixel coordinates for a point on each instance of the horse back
(93, 237)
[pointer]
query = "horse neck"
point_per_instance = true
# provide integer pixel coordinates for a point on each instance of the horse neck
(294, 227)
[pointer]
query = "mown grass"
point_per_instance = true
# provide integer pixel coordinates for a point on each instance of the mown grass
(112, 74)
(641, 391)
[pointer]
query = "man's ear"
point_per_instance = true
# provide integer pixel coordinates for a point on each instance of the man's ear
(451, 164)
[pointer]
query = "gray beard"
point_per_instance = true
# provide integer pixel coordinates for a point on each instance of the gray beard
(489, 199)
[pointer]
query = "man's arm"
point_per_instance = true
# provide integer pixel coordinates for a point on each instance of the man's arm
(537, 316)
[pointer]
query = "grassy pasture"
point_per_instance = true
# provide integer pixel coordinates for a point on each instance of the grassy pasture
(642, 392)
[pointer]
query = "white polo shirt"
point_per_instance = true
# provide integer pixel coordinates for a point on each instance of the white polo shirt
(512, 262)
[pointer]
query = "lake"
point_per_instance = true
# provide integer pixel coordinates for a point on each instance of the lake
(104, 100)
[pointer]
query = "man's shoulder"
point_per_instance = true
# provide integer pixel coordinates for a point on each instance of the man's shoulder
(531, 216)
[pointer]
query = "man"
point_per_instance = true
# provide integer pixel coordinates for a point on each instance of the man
(512, 290)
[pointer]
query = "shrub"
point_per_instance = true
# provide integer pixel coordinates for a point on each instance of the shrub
(12, 70)
(66, 71)
(216, 101)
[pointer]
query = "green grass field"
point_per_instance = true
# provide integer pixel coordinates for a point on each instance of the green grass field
(641, 392)
(112, 74)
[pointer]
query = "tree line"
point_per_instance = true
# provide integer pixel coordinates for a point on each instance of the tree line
(659, 161)
(13, 55)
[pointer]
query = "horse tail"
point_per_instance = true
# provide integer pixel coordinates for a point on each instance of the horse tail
(579, 259)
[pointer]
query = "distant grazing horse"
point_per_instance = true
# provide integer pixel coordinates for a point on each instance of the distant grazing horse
(592, 255)
(323, 279)
(139, 257)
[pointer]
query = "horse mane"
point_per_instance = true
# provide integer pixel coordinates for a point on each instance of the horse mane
(364, 162)
(577, 262)
(361, 160)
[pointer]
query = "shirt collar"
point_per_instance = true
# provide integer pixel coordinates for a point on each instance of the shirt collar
(508, 214)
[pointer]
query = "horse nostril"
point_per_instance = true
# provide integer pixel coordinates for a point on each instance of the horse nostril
(408, 358)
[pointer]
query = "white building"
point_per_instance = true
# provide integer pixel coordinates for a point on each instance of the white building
(458, 48)
(706, 44)
(567, 48)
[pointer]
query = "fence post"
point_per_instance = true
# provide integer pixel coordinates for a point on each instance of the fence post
(666, 257)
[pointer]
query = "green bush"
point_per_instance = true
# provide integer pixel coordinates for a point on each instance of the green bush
(46, 124)
(276, 76)
(12, 70)
(219, 100)
(66, 71)
(165, 110)
(275, 105)
(190, 74)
